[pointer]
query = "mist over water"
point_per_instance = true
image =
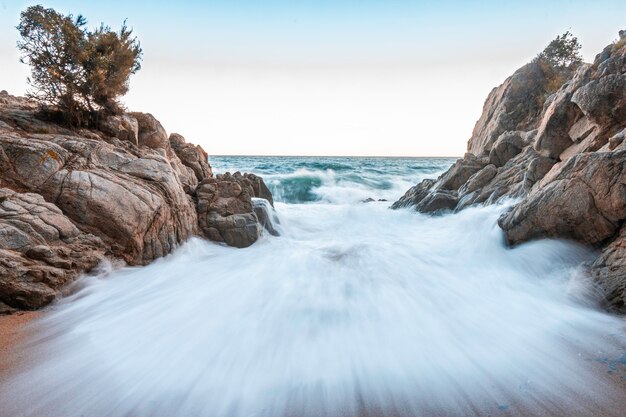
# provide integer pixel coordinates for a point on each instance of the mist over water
(354, 310)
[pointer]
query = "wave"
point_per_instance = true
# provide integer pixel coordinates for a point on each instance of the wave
(336, 180)
(354, 310)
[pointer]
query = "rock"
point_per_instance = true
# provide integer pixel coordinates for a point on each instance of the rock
(132, 198)
(505, 148)
(123, 127)
(437, 202)
(584, 201)
(40, 250)
(459, 173)
(266, 214)
(414, 195)
(151, 132)
(617, 140)
(603, 100)
(368, 200)
(514, 105)
(559, 117)
(537, 168)
(259, 188)
(191, 156)
(225, 210)
(480, 179)
(609, 273)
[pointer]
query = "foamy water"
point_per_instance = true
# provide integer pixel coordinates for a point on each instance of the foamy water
(354, 310)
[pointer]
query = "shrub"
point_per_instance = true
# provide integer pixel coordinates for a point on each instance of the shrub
(80, 73)
(559, 60)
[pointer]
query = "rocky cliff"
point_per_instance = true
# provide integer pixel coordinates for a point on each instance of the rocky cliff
(561, 156)
(70, 198)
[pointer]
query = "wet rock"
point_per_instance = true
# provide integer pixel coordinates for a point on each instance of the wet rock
(225, 210)
(414, 195)
(437, 202)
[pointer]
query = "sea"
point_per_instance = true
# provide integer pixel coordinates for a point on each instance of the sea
(353, 310)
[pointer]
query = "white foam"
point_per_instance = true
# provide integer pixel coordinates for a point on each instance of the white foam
(353, 308)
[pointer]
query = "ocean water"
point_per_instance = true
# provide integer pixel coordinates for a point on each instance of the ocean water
(355, 310)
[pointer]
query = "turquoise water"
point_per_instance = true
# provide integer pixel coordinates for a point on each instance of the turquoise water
(297, 179)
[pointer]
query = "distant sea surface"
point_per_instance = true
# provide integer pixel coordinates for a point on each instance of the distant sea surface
(354, 310)
(338, 180)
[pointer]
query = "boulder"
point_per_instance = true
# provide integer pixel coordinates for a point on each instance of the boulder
(514, 105)
(506, 147)
(459, 173)
(150, 132)
(225, 209)
(40, 250)
(585, 200)
(609, 273)
(414, 195)
(124, 127)
(130, 197)
(191, 156)
(438, 201)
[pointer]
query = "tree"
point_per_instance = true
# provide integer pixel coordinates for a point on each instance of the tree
(80, 73)
(563, 52)
(559, 60)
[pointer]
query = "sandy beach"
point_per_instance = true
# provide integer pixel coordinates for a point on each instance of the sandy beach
(16, 329)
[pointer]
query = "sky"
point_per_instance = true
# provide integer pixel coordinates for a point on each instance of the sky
(342, 77)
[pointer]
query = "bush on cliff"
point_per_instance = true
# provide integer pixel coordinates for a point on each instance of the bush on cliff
(559, 60)
(78, 72)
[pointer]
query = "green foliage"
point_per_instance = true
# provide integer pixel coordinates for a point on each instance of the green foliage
(559, 60)
(563, 52)
(79, 72)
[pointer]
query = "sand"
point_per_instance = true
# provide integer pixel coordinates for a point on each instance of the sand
(14, 330)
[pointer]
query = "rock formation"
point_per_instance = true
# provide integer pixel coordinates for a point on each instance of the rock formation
(69, 198)
(563, 156)
(225, 209)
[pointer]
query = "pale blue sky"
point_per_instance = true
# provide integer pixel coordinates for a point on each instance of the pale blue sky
(326, 77)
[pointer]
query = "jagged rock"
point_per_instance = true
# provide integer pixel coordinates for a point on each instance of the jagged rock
(40, 250)
(479, 179)
(437, 202)
(584, 201)
(505, 148)
(567, 165)
(191, 156)
(151, 132)
(559, 117)
(514, 105)
(130, 197)
(225, 210)
(459, 173)
(124, 127)
(609, 272)
(259, 188)
(414, 195)
(537, 168)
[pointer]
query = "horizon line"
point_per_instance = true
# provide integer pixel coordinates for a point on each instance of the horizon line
(332, 156)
